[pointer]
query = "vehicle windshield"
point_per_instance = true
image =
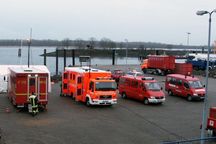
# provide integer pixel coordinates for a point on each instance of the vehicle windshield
(152, 86)
(135, 74)
(105, 86)
(139, 74)
(195, 84)
(118, 72)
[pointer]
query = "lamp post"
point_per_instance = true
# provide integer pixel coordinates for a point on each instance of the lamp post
(126, 50)
(200, 13)
(188, 36)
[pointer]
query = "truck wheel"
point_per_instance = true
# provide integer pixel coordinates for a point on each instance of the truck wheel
(170, 93)
(144, 71)
(124, 96)
(213, 133)
(189, 98)
(72, 96)
(146, 102)
(88, 102)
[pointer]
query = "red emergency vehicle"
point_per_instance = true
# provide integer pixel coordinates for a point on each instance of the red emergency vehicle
(142, 88)
(88, 85)
(185, 86)
(158, 64)
(24, 82)
(116, 74)
(211, 123)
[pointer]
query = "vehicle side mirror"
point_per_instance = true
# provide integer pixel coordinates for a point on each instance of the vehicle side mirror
(203, 85)
(4, 78)
(161, 88)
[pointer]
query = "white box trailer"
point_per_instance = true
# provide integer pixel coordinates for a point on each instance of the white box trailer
(4, 72)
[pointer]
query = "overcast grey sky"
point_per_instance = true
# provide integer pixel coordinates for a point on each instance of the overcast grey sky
(165, 21)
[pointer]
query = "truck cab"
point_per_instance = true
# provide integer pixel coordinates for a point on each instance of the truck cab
(185, 86)
(102, 91)
(142, 88)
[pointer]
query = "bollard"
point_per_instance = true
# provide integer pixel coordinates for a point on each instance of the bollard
(57, 61)
(44, 56)
(113, 56)
(64, 58)
(73, 57)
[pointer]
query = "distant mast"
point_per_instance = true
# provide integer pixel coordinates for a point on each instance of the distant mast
(29, 44)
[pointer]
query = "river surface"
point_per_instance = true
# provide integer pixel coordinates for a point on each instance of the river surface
(9, 56)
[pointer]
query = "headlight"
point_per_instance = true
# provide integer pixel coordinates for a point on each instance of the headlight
(195, 94)
(152, 97)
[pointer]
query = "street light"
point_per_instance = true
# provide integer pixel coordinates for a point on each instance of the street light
(188, 36)
(200, 13)
(126, 50)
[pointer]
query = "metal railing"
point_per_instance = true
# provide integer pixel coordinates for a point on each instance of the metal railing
(190, 141)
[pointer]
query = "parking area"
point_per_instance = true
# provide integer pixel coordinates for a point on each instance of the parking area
(128, 122)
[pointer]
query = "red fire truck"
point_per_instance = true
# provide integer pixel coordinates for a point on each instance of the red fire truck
(24, 82)
(88, 85)
(211, 123)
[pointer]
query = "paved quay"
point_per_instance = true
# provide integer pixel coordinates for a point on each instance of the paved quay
(128, 122)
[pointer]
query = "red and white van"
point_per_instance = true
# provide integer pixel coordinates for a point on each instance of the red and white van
(142, 88)
(185, 86)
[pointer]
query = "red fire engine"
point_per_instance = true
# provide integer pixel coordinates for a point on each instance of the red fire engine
(88, 85)
(211, 124)
(24, 82)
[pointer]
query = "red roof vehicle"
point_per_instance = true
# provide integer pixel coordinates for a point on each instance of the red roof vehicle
(24, 82)
(88, 85)
(142, 88)
(211, 123)
(185, 86)
(116, 74)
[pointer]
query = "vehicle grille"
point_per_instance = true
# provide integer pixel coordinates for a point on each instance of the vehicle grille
(201, 95)
(159, 97)
(105, 97)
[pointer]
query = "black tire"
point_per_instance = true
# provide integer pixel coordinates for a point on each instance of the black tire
(124, 96)
(213, 133)
(144, 71)
(88, 102)
(170, 93)
(73, 98)
(146, 102)
(189, 98)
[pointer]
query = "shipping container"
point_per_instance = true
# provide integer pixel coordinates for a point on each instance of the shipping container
(159, 64)
(183, 68)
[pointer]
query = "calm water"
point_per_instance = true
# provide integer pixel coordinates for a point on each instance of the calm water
(9, 55)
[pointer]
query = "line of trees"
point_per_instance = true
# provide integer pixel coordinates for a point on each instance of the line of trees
(104, 43)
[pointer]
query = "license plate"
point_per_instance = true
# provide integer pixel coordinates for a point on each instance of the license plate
(105, 101)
